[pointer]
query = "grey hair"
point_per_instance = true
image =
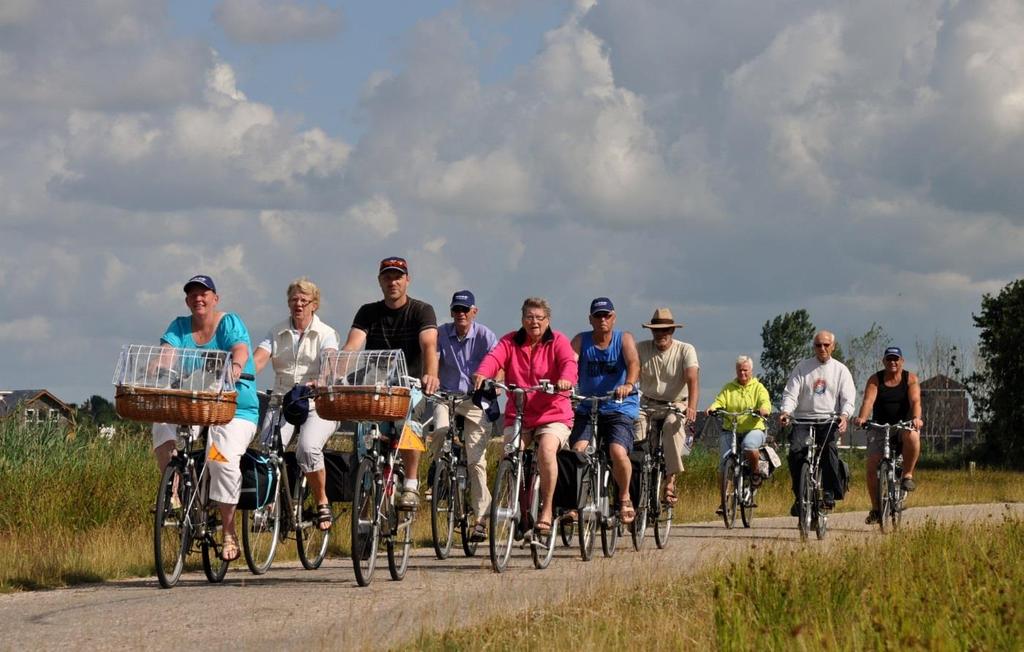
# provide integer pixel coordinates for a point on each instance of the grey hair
(537, 302)
(744, 359)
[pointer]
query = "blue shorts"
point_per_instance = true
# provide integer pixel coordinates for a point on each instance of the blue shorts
(615, 428)
(749, 441)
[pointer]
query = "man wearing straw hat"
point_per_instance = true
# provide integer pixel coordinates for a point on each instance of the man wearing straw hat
(400, 322)
(669, 377)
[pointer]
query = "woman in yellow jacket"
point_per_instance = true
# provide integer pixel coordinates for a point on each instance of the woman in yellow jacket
(744, 393)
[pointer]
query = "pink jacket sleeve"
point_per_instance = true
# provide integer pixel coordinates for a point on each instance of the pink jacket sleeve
(565, 359)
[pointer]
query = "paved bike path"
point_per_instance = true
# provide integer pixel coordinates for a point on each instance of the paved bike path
(326, 609)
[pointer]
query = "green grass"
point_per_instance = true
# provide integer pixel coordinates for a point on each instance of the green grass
(938, 587)
(74, 507)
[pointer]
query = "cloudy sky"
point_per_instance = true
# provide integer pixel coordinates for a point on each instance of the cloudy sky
(731, 160)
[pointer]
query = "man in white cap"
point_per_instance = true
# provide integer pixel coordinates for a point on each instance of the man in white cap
(669, 377)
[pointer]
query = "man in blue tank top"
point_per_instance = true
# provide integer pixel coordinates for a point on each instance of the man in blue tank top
(890, 396)
(608, 364)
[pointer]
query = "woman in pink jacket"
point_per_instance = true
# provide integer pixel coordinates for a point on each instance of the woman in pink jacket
(533, 353)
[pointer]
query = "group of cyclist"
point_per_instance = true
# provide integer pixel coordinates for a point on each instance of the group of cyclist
(656, 379)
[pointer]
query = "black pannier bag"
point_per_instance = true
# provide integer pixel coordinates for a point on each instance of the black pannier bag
(636, 459)
(572, 479)
(341, 473)
(259, 481)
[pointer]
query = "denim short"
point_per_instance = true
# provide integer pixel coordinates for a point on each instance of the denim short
(749, 441)
(615, 428)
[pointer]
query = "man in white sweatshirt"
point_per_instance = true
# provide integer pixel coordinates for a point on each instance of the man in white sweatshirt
(816, 388)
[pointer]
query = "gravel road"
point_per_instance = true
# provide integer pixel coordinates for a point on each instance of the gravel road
(326, 609)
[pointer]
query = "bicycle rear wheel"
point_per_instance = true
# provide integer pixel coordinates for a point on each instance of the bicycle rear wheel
(661, 510)
(805, 501)
(884, 488)
(260, 530)
(610, 525)
(365, 524)
(442, 513)
(542, 549)
(638, 529)
(399, 544)
(310, 541)
(172, 531)
(587, 516)
(504, 515)
(567, 533)
(729, 493)
(214, 566)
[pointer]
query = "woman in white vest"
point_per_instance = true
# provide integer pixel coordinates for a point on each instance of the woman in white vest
(293, 347)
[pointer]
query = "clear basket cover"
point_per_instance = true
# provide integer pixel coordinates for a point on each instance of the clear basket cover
(165, 367)
(361, 368)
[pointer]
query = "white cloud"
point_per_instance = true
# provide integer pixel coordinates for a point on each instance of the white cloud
(376, 214)
(24, 331)
(266, 21)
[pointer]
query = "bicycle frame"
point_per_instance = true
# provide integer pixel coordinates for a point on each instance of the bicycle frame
(889, 474)
(815, 514)
(742, 489)
(599, 455)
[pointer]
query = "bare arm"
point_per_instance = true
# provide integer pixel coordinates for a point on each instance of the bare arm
(914, 394)
(260, 358)
(239, 356)
(428, 349)
(632, 366)
(356, 339)
(693, 392)
(870, 394)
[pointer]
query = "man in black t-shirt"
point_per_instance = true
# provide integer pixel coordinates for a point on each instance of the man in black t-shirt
(400, 322)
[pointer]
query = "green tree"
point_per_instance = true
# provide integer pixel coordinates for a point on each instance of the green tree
(99, 410)
(785, 341)
(864, 353)
(999, 393)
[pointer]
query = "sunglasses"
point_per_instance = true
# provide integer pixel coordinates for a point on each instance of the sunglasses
(892, 358)
(460, 309)
(822, 345)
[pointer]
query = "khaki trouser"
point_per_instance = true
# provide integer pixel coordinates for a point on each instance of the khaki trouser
(474, 435)
(672, 432)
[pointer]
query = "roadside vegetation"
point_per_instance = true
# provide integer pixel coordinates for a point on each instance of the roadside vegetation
(937, 587)
(74, 506)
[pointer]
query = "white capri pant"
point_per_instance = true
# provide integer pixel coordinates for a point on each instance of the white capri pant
(313, 434)
(225, 446)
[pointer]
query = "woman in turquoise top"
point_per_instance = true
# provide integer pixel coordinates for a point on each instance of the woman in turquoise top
(208, 328)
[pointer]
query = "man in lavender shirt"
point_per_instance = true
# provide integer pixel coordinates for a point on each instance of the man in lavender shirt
(461, 345)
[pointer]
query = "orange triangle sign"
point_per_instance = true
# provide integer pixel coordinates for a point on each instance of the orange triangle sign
(215, 455)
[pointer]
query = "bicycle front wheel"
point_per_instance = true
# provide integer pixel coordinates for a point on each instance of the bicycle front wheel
(504, 515)
(748, 505)
(805, 501)
(610, 524)
(260, 529)
(541, 548)
(399, 545)
(213, 544)
(730, 497)
(662, 510)
(366, 503)
(885, 491)
(643, 503)
(442, 514)
(310, 541)
(467, 521)
(172, 531)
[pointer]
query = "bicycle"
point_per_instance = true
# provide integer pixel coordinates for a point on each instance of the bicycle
(450, 493)
(597, 507)
(660, 511)
(890, 475)
(813, 513)
(736, 481)
(515, 500)
(294, 510)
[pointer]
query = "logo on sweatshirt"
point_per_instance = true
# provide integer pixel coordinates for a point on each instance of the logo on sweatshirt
(819, 387)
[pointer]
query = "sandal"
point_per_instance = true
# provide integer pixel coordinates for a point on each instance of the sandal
(323, 515)
(479, 533)
(229, 551)
(626, 511)
(670, 495)
(569, 518)
(542, 528)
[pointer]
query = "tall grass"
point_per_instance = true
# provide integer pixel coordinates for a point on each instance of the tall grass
(948, 587)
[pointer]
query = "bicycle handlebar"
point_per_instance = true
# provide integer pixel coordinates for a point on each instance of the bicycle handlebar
(748, 412)
(610, 396)
(907, 424)
(546, 386)
(833, 417)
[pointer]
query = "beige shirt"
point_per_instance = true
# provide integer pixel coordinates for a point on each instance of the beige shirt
(662, 372)
(296, 360)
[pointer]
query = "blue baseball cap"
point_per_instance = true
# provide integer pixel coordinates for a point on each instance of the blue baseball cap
(463, 298)
(601, 304)
(201, 279)
(893, 350)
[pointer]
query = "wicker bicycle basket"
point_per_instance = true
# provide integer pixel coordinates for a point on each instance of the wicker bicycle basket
(363, 386)
(181, 386)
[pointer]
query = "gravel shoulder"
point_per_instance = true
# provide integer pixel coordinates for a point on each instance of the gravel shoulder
(326, 609)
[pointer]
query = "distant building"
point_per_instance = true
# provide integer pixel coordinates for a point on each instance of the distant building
(945, 409)
(34, 406)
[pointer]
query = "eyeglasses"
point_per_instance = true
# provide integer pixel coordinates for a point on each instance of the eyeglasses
(534, 317)
(298, 301)
(460, 309)
(822, 345)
